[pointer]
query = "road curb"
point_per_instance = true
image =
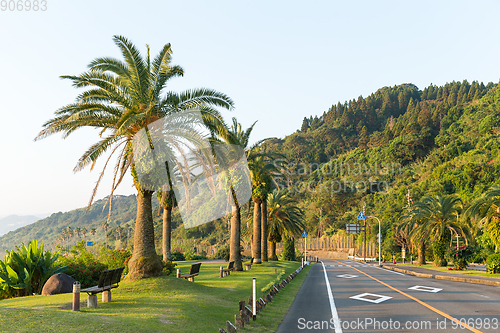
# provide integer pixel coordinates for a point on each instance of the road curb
(444, 277)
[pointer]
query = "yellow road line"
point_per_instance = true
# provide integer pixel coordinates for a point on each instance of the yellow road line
(430, 307)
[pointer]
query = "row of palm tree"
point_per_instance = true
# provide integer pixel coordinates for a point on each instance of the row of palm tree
(439, 220)
(121, 99)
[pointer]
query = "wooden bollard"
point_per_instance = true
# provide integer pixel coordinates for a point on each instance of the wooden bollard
(248, 311)
(241, 305)
(238, 322)
(244, 317)
(178, 272)
(263, 302)
(269, 298)
(221, 330)
(76, 296)
(221, 272)
(230, 327)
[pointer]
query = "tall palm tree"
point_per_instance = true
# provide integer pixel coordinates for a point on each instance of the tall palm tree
(486, 209)
(284, 217)
(123, 98)
(105, 227)
(263, 170)
(83, 230)
(438, 219)
(235, 135)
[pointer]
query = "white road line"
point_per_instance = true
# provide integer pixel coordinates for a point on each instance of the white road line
(388, 270)
(335, 315)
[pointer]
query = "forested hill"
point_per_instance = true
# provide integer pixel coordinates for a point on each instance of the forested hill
(403, 111)
(439, 140)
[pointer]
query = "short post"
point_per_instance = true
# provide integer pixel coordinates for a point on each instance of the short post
(76, 296)
(302, 265)
(106, 296)
(254, 299)
(221, 272)
(178, 272)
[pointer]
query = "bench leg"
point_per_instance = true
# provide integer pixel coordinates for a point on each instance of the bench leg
(191, 279)
(106, 296)
(92, 301)
(247, 268)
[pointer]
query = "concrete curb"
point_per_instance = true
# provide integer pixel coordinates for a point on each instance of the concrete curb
(445, 277)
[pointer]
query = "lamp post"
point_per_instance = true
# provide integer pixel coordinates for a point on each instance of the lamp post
(379, 239)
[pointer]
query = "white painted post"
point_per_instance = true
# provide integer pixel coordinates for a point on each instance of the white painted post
(254, 297)
(305, 248)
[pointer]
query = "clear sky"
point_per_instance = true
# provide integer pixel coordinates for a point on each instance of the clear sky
(278, 60)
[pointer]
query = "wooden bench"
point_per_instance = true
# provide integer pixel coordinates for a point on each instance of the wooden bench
(193, 271)
(249, 265)
(227, 271)
(108, 280)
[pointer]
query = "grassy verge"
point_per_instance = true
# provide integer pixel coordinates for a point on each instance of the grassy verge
(158, 304)
(469, 272)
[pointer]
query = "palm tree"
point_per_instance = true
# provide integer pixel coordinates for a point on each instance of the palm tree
(263, 170)
(235, 135)
(438, 219)
(83, 230)
(77, 232)
(124, 98)
(119, 232)
(486, 209)
(167, 200)
(284, 217)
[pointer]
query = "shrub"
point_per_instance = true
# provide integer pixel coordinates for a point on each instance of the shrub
(288, 249)
(168, 267)
(115, 258)
(493, 263)
(459, 256)
(190, 255)
(26, 270)
(177, 256)
(223, 253)
(82, 265)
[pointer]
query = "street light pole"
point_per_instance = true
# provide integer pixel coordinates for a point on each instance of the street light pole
(379, 240)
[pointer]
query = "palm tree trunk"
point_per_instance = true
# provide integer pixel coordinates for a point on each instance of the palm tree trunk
(421, 254)
(167, 232)
(234, 242)
(263, 207)
(256, 251)
(274, 257)
(144, 262)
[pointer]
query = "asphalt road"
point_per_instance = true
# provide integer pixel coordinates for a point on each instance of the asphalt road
(347, 296)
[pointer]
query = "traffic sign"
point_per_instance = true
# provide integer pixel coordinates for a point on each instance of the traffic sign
(90, 243)
(361, 216)
(304, 234)
(352, 228)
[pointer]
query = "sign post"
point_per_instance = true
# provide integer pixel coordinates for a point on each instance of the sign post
(362, 217)
(304, 234)
(379, 240)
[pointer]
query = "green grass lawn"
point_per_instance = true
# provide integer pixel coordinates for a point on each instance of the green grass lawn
(469, 272)
(158, 304)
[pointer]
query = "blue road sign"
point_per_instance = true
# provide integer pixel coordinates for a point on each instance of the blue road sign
(304, 234)
(90, 243)
(361, 216)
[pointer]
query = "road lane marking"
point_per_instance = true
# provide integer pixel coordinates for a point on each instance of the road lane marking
(430, 307)
(347, 276)
(379, 298)
(427, 289)
(388, 270)
(335, 315)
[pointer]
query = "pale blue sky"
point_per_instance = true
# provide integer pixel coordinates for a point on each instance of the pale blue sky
(278, 60)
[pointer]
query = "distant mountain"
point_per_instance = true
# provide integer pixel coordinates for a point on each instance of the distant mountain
(49, 230)
(13, 222)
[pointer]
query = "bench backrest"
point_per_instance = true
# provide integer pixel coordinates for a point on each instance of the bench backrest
(110, 277)
(231, 265)
(195, 268)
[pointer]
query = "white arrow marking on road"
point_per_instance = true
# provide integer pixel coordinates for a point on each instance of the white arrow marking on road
(347, 276)
(427, 289)
(380, 298)
(335, 315)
